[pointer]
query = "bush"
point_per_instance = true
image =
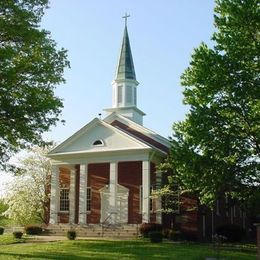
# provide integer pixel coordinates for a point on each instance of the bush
(2, 230)
(156, 236)
(33, 230)
(146, 228)
(175, 235)
(233, 233)
(71, 234)
(18, 234)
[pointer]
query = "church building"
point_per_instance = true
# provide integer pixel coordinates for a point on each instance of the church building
(106, 171)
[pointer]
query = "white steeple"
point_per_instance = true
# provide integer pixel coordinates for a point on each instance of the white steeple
(124, 99)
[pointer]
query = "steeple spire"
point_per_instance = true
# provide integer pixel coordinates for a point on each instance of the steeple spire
(125, 68)
(124, 99)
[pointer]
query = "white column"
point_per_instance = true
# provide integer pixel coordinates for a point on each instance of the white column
(55, 196)
(72, 196)
(146, 183)
(159, 199)
(113, 191)
(82, 193)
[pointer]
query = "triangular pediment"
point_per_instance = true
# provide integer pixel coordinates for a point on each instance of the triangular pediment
(98, 136)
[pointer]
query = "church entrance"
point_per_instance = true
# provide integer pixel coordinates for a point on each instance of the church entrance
(109, 215)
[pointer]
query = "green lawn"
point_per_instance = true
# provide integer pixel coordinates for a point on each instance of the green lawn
(109, 249)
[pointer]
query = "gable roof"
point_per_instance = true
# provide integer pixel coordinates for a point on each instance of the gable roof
(138, 131)
(112, 139)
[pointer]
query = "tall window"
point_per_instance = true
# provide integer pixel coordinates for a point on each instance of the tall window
(120, 95)
(128, 94)
(141, 199)
(88, 199)
(64, 199)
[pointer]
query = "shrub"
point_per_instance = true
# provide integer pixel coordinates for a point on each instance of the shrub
(156, 236)
(33, 230)
(71, 234)
(166, 232)
(2, 230)
(175, 235)
(233, 233)
(146, 228)
(18, 234)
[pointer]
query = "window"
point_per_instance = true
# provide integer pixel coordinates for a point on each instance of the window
(64, 199)
(98, 143)
(128, 94)
(141, 199)
(120, 95)
(88, 199)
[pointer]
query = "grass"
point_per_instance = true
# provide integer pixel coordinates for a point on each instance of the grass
(109, 249)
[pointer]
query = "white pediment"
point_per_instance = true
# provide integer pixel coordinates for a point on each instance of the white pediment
(98, 136)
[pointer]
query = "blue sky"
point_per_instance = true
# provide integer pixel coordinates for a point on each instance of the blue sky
(162, 34)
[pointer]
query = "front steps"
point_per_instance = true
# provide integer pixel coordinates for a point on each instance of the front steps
(95, 231)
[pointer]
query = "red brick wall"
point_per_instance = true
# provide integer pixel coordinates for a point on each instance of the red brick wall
(130, 176)
(98, 177)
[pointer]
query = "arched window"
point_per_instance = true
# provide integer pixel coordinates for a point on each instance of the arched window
(98, 142)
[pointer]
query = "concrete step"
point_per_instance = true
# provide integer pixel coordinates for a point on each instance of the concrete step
(94, 230)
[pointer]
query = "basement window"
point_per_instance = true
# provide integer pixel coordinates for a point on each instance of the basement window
(98, 142)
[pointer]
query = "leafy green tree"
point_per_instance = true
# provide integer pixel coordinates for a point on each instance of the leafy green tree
(3, 209)
(28, 195)
(216, 148)
(30, 68)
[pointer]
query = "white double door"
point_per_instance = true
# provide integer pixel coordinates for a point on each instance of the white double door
(109, 214)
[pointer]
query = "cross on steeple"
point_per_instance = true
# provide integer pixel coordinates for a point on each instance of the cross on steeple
(125, 17)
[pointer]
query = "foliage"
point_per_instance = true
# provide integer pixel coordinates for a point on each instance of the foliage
(30, 68)
(8, 239)
(3, 207)
(2, 230)
(216, 148)
(119, 249)
(18, 234)
(29, 194)
(232, 233)
(156, 236)
(71, 234)
(33, 230)
(146, 228)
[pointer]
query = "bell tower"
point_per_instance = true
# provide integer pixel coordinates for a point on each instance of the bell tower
(124, 86)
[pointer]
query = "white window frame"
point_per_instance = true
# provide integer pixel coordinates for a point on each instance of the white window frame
(64, 200)
(88, 198)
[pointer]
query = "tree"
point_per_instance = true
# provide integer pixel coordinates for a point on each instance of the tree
(3, 208)
(28, 196)
(215, 150)
(30, 68)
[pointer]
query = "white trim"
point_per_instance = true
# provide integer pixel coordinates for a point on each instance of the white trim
(54, 194)
(146, 183)
(113, 178)
(83, 173)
